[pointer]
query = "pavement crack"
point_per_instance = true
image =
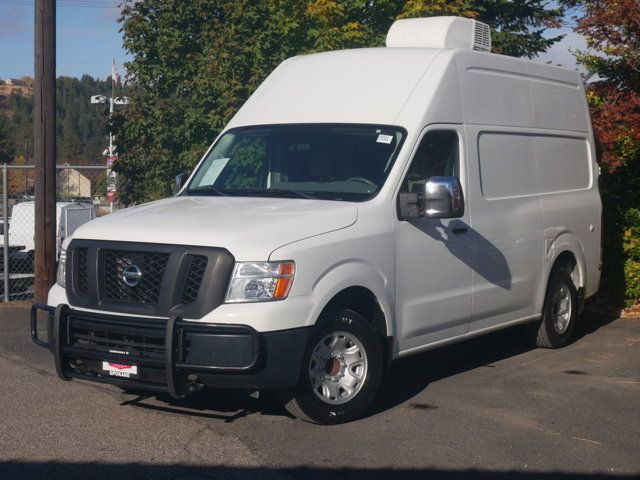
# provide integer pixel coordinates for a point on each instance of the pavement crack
(192, 440)
(593, 442)
(20, 362)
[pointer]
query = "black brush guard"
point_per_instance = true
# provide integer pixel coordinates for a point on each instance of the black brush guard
(170, 356)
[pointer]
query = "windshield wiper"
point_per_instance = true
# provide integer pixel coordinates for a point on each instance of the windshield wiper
(294, 192)
(208, 190)
(269, 192)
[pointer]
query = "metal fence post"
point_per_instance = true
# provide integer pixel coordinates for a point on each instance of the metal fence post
(5, 230)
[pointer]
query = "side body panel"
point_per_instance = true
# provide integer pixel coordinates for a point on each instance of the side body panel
(507, 229)
(573, 219)
(532, 182)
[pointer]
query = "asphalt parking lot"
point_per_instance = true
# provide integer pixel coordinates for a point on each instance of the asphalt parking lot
(491, 408)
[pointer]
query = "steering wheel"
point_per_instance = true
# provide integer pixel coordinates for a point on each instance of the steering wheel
(361, 180)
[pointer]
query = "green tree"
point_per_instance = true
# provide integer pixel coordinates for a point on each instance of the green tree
(7, 145)
(195, 63)
(80, 127)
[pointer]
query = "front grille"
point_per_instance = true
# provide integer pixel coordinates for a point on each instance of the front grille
(83, 284)
(188, 281)
(152, 266)
(195, 274)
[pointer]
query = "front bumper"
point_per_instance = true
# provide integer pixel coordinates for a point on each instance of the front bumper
(172, 355)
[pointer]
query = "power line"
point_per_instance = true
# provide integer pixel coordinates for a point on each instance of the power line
(82, 3)
(59, 62)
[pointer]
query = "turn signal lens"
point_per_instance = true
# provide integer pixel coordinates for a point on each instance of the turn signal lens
(260, 281)
(285, 280)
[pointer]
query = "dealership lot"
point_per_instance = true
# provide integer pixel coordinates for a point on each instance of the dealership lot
(489, 408)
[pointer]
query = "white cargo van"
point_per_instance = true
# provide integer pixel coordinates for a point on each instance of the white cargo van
(20, 242)
(362, 206)
(69, 216)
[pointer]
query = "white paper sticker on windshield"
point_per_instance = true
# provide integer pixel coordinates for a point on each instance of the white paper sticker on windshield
(382, 138)
(214, 171)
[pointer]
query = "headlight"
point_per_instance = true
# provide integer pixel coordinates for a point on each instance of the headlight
(62, 268)
(260, 281)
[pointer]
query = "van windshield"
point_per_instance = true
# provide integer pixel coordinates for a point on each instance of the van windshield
(332, 162)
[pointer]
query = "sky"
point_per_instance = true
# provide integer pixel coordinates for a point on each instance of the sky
(87, 33)
(88, 38)
(560, 53)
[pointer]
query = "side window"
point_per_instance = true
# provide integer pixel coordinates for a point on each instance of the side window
(438, 155)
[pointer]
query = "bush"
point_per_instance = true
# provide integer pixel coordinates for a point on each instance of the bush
(631, 249)
(631, 234)
(632, 276)
(620, 190)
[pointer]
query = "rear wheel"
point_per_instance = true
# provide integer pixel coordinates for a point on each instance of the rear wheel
(341, 372)
(560, 311)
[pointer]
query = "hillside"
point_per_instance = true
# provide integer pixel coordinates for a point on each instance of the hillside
(7, 90)
(80, 127)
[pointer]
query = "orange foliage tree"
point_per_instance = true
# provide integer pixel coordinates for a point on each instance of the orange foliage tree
(612, 30)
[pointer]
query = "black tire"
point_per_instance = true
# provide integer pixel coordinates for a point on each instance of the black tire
(547, 333)
(303, 403)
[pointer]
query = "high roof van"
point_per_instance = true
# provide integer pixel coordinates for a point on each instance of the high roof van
(362, 206)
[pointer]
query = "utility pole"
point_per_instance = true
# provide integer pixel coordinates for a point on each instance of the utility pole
(111, 151)
(45, 147)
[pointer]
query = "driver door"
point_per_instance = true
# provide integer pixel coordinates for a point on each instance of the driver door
(433, 256)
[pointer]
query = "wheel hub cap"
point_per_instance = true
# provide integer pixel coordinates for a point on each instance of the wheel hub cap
(337, 368)
(561, 309)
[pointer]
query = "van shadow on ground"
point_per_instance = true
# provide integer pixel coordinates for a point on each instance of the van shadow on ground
(407, 379)
(113, 471)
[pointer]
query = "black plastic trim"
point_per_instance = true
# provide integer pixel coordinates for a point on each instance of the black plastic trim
(169, 351)
(60, 338)
(279, 364)
(275, 362)
(34, 324)
(214, 282)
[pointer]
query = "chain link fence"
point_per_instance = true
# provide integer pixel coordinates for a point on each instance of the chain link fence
(81, 196)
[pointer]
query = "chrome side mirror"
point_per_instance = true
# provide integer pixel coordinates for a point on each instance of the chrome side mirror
(181, 178)
(443, 198)
(438, 197)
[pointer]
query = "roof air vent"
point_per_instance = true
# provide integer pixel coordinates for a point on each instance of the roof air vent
(440, 32)
(481, 36)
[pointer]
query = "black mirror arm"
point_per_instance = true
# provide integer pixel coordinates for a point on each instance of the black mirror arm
(410, 205)
(180, 180)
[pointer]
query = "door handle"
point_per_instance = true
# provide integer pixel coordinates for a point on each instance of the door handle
(459, 230)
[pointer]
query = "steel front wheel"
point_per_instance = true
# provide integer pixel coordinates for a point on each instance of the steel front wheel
(341, 372)
(559, 312)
